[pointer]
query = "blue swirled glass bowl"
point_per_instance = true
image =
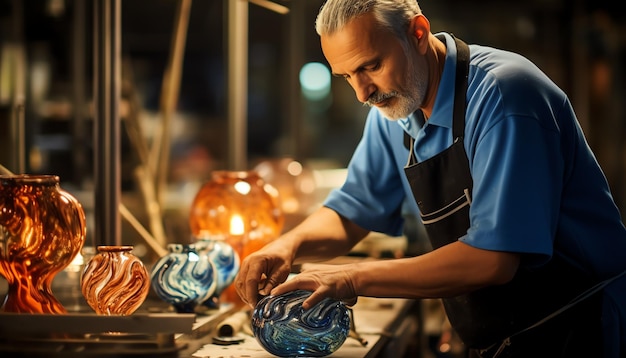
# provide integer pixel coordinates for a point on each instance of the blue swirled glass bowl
(226, 262)
(185, 277)
(284, 329)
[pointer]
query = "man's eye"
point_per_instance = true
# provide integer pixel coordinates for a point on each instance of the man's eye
(374, 67)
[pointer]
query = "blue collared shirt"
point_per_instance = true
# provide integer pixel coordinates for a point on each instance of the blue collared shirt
(538, 189)
(535, 178)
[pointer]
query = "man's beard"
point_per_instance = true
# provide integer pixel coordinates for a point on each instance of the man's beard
(407, 101)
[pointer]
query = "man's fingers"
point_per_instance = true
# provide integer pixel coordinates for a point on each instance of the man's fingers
(248, 283)
(240, 284)
(267, 286)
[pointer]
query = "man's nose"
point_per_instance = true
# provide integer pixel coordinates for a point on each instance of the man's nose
(363, 88)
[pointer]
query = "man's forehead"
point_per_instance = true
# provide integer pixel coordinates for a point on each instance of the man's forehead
(359, 41)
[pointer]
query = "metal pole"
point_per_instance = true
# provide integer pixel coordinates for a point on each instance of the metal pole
(295, 56)
(107, 89)
(78, 82)
(237, 83)
(19, 95)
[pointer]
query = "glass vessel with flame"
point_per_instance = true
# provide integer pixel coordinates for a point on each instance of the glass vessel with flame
(239, 207)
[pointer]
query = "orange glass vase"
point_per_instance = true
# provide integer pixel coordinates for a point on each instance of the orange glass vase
(114, 281)
(42, 229)
(240, 207)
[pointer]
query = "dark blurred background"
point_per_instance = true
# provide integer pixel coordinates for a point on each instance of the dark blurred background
(46, 71)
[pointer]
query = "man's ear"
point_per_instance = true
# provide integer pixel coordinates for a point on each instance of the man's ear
(420, 27)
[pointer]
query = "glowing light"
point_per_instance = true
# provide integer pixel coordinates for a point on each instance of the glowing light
(294, 168)
(242, 187)
(236, 225)
(315, 81)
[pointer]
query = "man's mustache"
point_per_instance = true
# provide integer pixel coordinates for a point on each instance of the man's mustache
(378, 97)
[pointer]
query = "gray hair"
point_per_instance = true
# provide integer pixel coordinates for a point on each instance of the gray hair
(394, 15)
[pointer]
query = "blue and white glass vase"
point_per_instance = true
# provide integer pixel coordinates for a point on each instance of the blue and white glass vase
(283, 328)
(185, 277)
(226, 262)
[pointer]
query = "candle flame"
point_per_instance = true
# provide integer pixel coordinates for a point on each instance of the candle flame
(236, 225)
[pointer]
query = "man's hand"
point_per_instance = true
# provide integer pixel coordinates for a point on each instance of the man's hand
(261, 271)
(321, 236)
(332, 281)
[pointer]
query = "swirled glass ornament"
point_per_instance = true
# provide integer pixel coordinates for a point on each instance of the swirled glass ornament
(283, 328)
(226, 262)
(42, 229)
(185, 277)
(114, 281)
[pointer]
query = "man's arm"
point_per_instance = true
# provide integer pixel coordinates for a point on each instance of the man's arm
(322, 235)
(451, 270)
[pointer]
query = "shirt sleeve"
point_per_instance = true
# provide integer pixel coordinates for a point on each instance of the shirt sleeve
(517, 172)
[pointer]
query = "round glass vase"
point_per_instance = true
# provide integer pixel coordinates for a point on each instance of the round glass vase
(238, 206)
(185, 277)
(283, 328)
(42, 229)
(115, 281)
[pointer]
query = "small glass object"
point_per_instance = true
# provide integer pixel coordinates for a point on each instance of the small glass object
(226, 262)
(283, 328)
(185, 277)
(114, 281)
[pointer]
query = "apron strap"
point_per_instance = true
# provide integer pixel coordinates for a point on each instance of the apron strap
(460, 86)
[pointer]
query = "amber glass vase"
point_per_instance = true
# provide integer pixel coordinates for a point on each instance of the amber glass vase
(240, 207)
(114, 281)
(42, 229)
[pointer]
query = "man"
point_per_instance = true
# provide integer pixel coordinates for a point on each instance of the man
(518, 211)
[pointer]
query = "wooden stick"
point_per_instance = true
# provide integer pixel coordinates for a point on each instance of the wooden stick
(159, 159)
(271, 6)
(154, 245)
(153, 208)
(4, 170)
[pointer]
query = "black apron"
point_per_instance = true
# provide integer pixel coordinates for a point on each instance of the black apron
(442, 187)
